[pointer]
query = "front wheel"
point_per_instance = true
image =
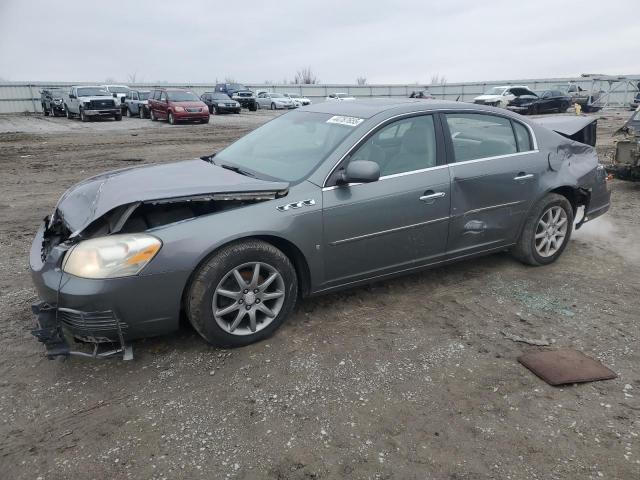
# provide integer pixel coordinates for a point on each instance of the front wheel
(171, 120)
(153, 116)
(546, 231)
(129, 114)
(242, 294)
(117, 117)
(141, 112)
(67, 112)
(273, 106)
(83, 116)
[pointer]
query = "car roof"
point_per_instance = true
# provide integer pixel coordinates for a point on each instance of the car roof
(369, 107)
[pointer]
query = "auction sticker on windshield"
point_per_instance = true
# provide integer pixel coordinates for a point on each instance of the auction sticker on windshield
(348, 121)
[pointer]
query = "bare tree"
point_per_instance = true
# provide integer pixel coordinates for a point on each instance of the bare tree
(229, 79)
(110, 80)
(306, 76)
(361, 80)
(131, 77)
(438, 79)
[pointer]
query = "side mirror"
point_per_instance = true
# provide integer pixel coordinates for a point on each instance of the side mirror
(361, 171)
(115, 95)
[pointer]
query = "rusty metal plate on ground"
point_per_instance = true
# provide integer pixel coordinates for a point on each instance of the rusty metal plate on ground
(558, 367)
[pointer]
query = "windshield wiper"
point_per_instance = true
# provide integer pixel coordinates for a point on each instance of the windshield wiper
(233, 168)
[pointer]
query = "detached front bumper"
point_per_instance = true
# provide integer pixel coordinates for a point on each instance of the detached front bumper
(100, 311)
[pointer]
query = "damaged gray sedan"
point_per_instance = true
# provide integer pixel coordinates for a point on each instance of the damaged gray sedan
(322, 198)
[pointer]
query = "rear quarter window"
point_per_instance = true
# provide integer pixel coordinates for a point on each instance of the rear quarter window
(523, 137)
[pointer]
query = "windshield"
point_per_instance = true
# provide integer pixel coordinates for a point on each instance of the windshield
(220, 96)
(92, 92)
(177, 96)
(562, 88)
(495, 91)
(276, 95)
(237, 86)
(288, 148)
(342, 95)
(144, 95)
(115, 89)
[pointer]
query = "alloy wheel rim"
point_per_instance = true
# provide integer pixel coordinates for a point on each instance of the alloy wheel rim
(551, 231)
(248, 298)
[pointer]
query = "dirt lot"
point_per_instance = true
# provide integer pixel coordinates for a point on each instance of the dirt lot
(405, 379)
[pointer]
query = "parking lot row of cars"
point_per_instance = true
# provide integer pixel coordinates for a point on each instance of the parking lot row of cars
(171, 104)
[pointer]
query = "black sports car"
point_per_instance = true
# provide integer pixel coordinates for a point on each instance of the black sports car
(542, 102)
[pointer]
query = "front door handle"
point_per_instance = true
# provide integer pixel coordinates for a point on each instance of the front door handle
(430, 196)
(523, 176)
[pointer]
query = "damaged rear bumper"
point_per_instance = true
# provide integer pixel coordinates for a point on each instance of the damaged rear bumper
(99, 311)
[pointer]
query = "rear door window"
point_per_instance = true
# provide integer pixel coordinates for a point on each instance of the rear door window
(477, 135)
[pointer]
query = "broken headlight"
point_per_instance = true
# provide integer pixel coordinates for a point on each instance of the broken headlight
(113, 256)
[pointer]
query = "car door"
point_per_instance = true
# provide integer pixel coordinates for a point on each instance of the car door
(163, 105)
(398, 222)
(495, 167)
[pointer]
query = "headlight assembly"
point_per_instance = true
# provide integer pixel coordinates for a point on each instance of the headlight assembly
(178, 109)
(113, 256)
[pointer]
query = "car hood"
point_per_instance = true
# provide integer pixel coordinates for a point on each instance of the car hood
(488, 97)
(92, 198)
(95, 97)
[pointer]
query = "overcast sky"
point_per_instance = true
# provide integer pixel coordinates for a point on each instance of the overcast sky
(384, 41)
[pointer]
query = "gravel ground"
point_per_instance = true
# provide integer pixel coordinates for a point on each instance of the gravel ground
(404, 379)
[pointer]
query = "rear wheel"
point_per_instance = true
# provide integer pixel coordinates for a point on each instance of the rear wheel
(254, 107)
(242, 294)
(546, 231)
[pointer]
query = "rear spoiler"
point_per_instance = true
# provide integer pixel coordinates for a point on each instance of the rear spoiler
(580, 129)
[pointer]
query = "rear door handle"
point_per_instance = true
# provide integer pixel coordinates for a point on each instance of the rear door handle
(431, 197)
(523, 176)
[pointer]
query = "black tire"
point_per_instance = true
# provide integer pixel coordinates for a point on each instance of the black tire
(141, 111)
(237, 111)
(525, 249)
(257, 107)
(216, 111)
(117, 117)
(68, 113)
(153, 116)
(44, 110)
(204, 120)
(206, 279)
(129, 114)
(210, 109)
(253, 108)
(273, 106)
(171, 119)
(534, 110)
(83, 117)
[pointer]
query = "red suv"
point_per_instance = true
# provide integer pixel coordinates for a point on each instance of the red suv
(176, 105)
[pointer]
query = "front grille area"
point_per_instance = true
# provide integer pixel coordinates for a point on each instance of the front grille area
(97, 326)
(194, 110)
(98, 104)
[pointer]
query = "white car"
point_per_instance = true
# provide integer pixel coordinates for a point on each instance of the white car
(297, 99)
(339, 97)
(120, 92)
(501, 96)
(274, 101)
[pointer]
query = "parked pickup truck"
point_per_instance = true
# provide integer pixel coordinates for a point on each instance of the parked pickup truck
(586, 99)
(240, 94)
(89, 101)
(52, 100)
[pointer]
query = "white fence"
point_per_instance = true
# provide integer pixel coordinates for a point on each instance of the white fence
(18, 97)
